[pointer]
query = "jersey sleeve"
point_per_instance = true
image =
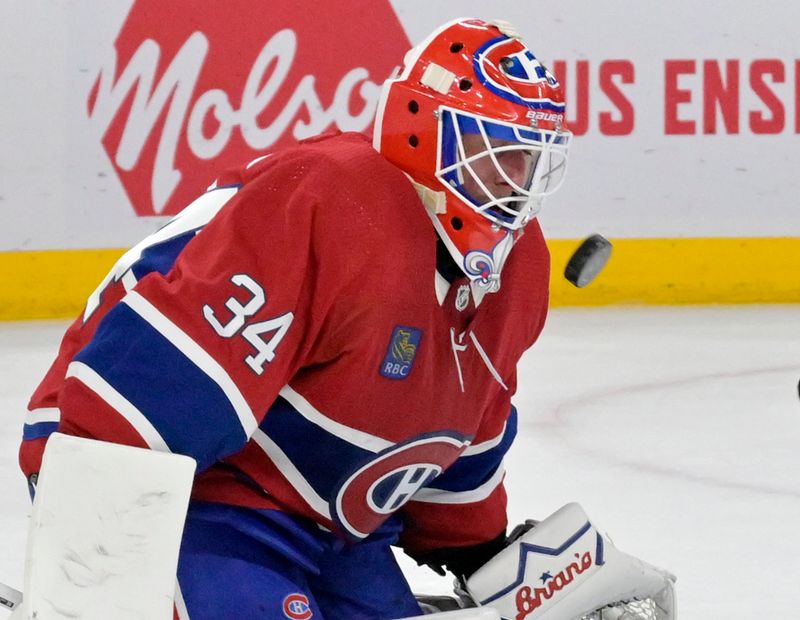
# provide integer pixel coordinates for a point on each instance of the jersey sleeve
(466, 504)
(189, 361)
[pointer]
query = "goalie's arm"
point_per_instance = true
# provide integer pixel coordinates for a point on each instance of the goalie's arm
(189, 361)
(459, 521)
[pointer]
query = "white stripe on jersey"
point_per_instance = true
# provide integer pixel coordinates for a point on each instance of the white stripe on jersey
(197, 355)
(351, 435)
(180, 605)
(437, 496)
(194, 216)
(104, 390)
(44, 414)
(484, 446)
(291, 473)
(441, 286)
(129, 280)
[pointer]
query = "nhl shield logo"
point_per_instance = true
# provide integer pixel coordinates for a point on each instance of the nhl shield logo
(400, 355)
(462, 297)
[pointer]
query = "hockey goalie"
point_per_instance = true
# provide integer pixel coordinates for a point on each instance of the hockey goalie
(330, 336)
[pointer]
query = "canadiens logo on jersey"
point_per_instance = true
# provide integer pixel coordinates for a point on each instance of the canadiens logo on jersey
(400, 355)
(503, 59)
(390, 479)
(297, 607)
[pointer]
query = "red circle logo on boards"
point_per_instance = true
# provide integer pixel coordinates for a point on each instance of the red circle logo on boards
(189, 91)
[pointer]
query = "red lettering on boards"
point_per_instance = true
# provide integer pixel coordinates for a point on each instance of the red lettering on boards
(622, 125)
(701, 96)
(759, 123)
(610, 74)
(720, 90)
(675, 96)
(722, 93)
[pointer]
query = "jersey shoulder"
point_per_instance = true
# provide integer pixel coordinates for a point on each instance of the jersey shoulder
(358, 205)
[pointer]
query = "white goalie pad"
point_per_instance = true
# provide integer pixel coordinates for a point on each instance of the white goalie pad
(565, 569)
(105, 532)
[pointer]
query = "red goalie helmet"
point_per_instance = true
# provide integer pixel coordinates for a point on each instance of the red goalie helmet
(477, 122)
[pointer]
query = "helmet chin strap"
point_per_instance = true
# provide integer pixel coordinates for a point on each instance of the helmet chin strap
(435, 202)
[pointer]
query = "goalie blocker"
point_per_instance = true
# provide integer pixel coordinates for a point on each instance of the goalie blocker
(105, 532)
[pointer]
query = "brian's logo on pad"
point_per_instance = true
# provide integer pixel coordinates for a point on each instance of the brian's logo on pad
(402, 350)
(530, 599)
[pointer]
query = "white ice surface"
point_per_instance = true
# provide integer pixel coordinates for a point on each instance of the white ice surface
(677, 429)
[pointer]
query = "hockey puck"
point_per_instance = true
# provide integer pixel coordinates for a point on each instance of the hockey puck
(588, 260)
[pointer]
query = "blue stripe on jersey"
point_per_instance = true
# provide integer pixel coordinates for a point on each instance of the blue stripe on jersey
(319, 456)
(161, 256)
(38, 430)
(469, 472)
(188, 409)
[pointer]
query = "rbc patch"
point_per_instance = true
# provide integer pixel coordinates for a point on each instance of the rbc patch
(402, 350)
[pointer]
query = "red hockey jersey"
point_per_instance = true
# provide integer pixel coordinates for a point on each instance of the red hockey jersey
(289, 330)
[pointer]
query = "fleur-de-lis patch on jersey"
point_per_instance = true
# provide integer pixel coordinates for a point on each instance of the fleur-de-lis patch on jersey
(403, 348)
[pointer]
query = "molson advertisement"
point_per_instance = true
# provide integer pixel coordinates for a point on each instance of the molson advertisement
(183, 96)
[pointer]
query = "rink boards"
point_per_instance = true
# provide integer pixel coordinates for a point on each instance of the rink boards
(56, 283)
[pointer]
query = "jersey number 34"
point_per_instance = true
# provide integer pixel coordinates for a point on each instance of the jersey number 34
(252, 332)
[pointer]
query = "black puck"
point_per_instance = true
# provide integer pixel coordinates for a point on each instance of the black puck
(588, 260)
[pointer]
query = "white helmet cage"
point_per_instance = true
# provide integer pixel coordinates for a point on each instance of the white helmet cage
(518, 192)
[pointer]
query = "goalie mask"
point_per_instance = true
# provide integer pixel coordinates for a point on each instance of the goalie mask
(477, 122)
